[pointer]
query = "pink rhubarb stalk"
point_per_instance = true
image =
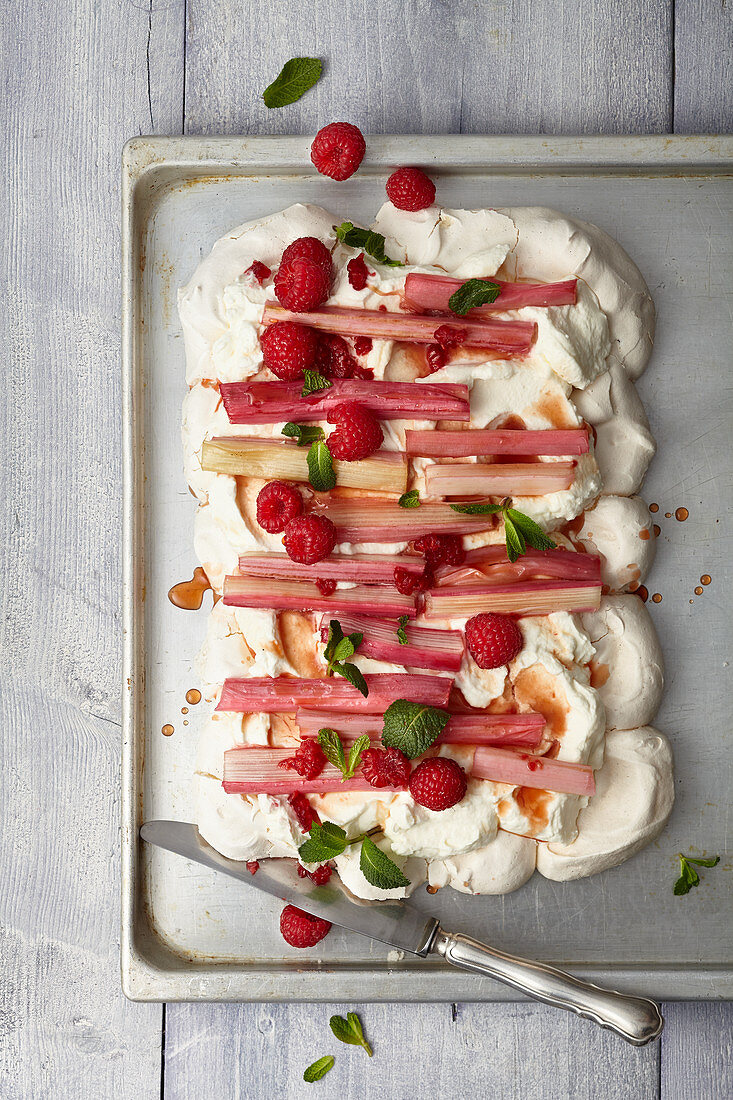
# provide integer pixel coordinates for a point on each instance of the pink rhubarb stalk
(429, 292)
(484, 441)
(490, 564)
(504, 337)
(363, 568)
(526, 598)
(522, 769)
(441, 650)
(285, 694)
(261, 402)
(523, 730)
(523, 479)
(289, 595)
(255, 770)
(371, 520)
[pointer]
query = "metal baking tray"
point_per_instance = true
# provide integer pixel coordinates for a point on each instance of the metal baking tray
(188, 934)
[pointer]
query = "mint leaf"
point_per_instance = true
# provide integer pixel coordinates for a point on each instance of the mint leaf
(296, 77)
(531, 531)
(320, 467)
(319, 1069)
(689, 876)
(515, 544)
(354, 676)
(412, 727)
(333, 750)
(326, 841)
(313, 382)
(344, 650)
(350, 1031)
(475, 508)
(474, 292)
(712, 862)
(401, 634)
(410, 499)
(304, 434)
(357, 749)
(371, 242)
(356, 1027)
(335, 635)
(378, 869)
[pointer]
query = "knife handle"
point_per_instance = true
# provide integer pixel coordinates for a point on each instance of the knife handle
(635, 1019)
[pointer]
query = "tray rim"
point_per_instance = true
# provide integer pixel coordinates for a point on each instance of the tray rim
(150, 165)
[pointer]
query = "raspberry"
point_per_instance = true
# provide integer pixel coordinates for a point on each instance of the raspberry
(493, 640)
(325, 586)
(300, 929)
(309, 539)
(357, 433)
(303, 811)
(438, 784)
(385, 767)
(408, 583)
(448, 336)
(309, 759)
(309, 248)
(441, 549)
(252, 866)
(259, 271)
(334, 358)
(410, 189)
(320, 876)
(435, 357)
(338, 150)
(277, 505)
(358, 272)
(288, 349)
(301, 285)
(363, 345)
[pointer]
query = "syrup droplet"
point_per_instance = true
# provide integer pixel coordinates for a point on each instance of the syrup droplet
(657, 530)
(432, 889)
(184, 710)
(645, 534)
(185, 721)
(653, 507)
(188, 595)
(699, 591)
(657, 597)
(705, 578)
(193, 696)
(681, 514)
(667, 515)
(642, 592)
(167, 730)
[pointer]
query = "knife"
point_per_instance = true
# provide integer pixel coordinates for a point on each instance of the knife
(635, 1019)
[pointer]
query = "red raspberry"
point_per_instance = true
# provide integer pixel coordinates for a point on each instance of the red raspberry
(357, 435)
(289, 348)
(259, 270)
(325, 586)
(320, 876)
(385, 767)
(301, 285)
(300, 929)
(309, 759)
(441, 549)
(438, 784)
(448, 336)
(493, 640)
(410, 189)
(277, 505)
(309, 539)
(358, 272)
(252, 866)
(309, 248)
(334, 358)
(303, 811)
(363, 345)
(338, 150)
(408, 583)
(435, 357)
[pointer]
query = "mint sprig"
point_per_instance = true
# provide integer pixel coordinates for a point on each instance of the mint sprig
(319, 1069)
(334, 751)
(304, 434)
(313, 382)
(410, 499)
(519, 530)
(378, 869)
(350, 1031)
(688, 875)
(326, 841)
(401, 633)
(296, 77)
(474, 292)
(412, 727)
(372, 243)
(339, 647)
(321, 473)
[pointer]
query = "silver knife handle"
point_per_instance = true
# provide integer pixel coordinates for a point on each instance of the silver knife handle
(635, 1019)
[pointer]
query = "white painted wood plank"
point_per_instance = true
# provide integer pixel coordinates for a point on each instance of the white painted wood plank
(507, 1051)
(80, 78)
(425, 66)
(703, 99)
(697, 1053)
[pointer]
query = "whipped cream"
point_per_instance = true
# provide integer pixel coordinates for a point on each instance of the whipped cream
(619, 529)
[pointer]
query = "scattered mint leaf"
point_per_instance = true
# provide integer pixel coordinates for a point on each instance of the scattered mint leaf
(350, 1031)
(476, 508)
(371, 242)
(339, 648)
(531, 531)
(410, 499)
(296, 77)
(712, 862)
(412, 727)
(357, 749)
(519, 530)
(474, 292)
(401, 635)
(378, 869)
(305, 434)
(515, 544)
(319, 1069)
(688, 875)
(344, 650)
(320, 467)
(326, 841)
(313, 382)
(333, 750)
(354, 676)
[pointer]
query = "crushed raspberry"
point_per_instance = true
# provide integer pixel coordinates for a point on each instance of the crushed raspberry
(309, 539)
(309, 759)
(435, 357)
(338, 150)
(492, 639)
(408, 583)
(326, 586)
(277, 504)
(385, 767)
(252, 866)
(358, 272)
(363, 345)
(301, 284)
(441, 549)
(288, 349)
(300, 929)
(304, 812)
(260, 271)
(334, 358)
(320, 876)
(410, 189)
(448, 336)
(438, 784)
(309, 248)
(357, 435)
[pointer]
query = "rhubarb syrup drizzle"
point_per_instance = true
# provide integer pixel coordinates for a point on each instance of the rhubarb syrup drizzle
(188, 595)
(167, 730)
(681, 514)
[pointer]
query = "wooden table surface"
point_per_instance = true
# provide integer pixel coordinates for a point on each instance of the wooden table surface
(80, 77)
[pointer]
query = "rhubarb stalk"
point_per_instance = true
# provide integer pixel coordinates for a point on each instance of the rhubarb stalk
(441, 650)
(522, 769)
(296, 595)
(430, 292)
(526, 598)
(490, 564)
(285, 694)
(374, 520)
(254, 770)
(364, 568)
(473, 442)
(523, 730)
(523, 479)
